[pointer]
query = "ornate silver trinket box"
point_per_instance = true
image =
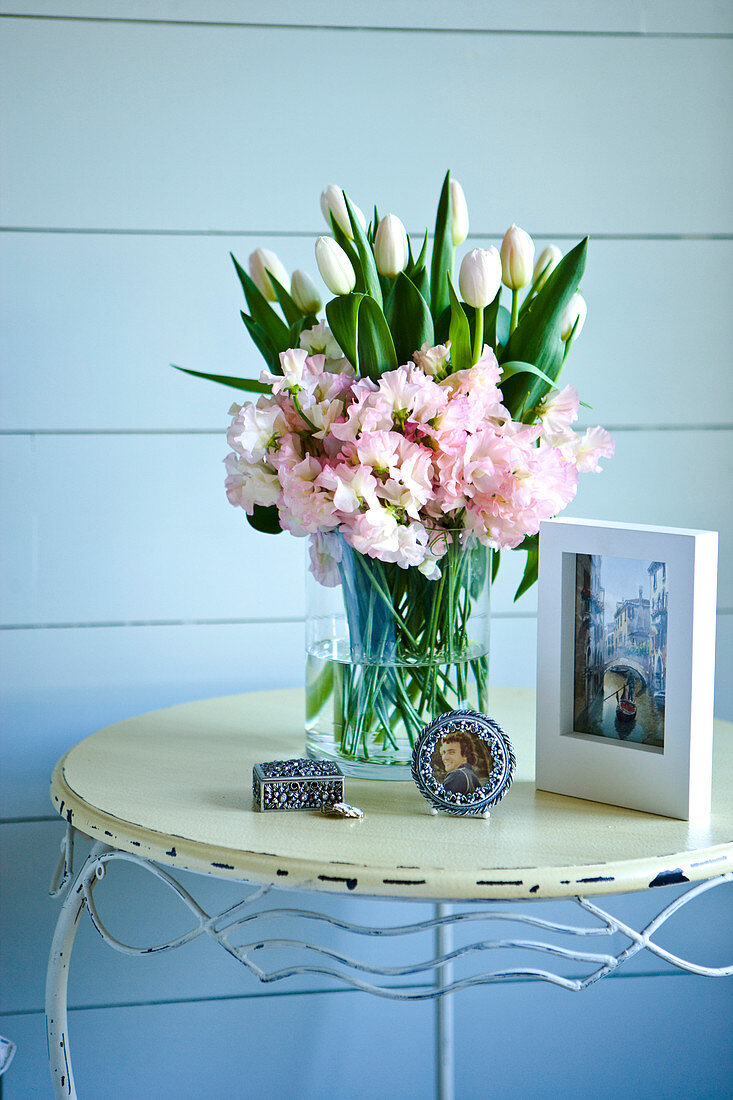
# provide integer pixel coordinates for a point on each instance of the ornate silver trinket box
(297, 784)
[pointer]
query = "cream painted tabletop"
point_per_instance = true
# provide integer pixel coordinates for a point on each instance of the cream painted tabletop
(175, 786)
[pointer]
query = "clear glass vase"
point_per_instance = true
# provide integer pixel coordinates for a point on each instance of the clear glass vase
(388, 650)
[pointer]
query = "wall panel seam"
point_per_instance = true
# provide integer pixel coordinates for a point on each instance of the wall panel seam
(512, 616)
(287, 993)
(580, 426)
(369, 28)
(113, 231)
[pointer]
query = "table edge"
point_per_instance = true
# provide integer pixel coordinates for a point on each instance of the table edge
(336, 877)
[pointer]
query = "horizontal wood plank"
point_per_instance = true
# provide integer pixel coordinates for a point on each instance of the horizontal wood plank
(136, 126)
(92, 323)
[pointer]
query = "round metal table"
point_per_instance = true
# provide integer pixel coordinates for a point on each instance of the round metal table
(172, 788)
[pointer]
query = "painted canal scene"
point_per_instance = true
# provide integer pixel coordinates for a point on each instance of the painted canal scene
(620, 649)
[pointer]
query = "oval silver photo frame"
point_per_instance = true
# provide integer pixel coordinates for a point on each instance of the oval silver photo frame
(463, 763)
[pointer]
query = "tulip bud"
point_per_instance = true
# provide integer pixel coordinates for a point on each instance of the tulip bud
(260, 262)
(334, 266)
(548, 260)
(517, 256)
(305, 292)
(390, 246)
(480, 276)
(459, 221)
(333, 202)
(575, 310)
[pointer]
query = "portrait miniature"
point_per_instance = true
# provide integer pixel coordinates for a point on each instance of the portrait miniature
(463, 763)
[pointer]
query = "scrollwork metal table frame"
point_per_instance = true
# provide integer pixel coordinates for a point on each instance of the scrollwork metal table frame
(142, 790)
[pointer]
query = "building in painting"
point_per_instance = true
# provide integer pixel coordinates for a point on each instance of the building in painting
(590, 632)
(658, 616)
(631, 627)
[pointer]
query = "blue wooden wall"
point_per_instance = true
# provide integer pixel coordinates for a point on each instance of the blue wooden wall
(142, 141)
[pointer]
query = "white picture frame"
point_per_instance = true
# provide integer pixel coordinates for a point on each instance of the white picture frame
(673, 778)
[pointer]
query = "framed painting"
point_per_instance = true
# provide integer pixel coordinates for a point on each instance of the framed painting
(625, 669)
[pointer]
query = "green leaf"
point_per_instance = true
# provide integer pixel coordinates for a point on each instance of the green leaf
(262, 343)
(366, 256)
(441, 267)
(266, 520)
(319, 690)
(415, 265)
(376, 347)
(503, 322)
(417, 271)
(459, 333)
(495, 562)
(262, 312)
(420, 279)
(373, 226)
(300, 326)
(342, 315)
(409, 318)
(496, 322)
(509, 370)
(442, 326)
(529, 542)
(531, 571)
(288, 306)
(226, 380)
(536, 338)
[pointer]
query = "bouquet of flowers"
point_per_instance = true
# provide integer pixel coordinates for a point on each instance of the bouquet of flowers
(413, 435)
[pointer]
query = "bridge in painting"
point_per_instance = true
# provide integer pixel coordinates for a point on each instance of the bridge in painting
(636, 664)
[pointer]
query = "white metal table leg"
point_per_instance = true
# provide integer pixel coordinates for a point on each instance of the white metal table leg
(444, 1008)
(57, 977)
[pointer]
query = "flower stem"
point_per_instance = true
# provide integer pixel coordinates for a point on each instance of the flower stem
(302, 415)
(478, 336)
(515, 310)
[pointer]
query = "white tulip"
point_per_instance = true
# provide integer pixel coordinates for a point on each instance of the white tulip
(334, 266)
(547, 261)
(575, 310)
(391, 251)
(517, 257)
(305, 292)
(260, 262)
(333, 202)
(459, 220)
(480, 276)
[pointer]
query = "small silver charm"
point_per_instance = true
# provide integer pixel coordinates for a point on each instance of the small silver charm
(342, 809)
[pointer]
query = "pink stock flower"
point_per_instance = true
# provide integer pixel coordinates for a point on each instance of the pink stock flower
(595, 444)
(405, 396)
(303, 500)
(383, 462)
(256, 429)
(433, 361)
(558, 410)
(352, 487)
(373, 532)
(320, 340)
(402, 467)
(250, 483)
(325, 554)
